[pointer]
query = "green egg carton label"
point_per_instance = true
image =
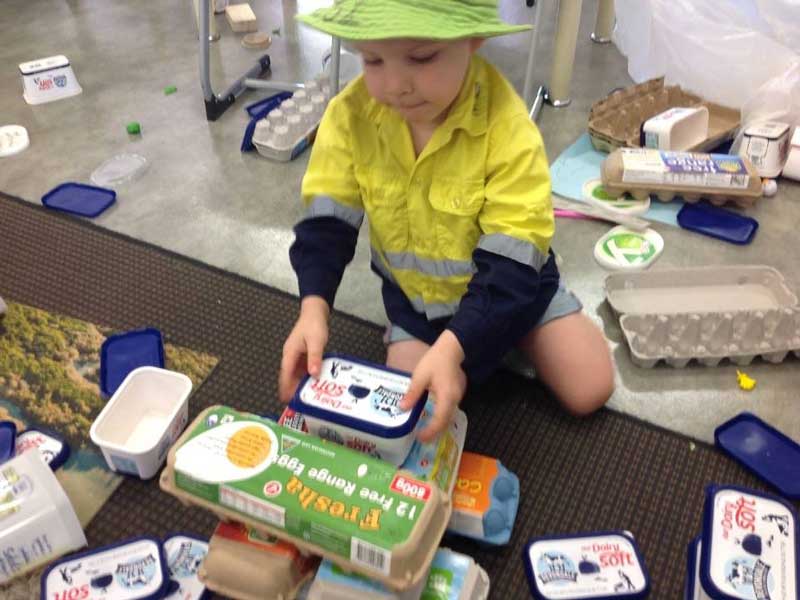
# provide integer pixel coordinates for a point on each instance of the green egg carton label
(345, 502)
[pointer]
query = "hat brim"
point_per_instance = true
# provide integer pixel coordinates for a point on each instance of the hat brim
(433, 26)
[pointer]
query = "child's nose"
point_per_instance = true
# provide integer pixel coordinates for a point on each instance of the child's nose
(397, 83)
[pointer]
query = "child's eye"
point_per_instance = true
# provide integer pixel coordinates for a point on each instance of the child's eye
(421, 60)
(372, 62)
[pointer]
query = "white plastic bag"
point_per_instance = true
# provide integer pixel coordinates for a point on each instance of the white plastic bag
(723, 50)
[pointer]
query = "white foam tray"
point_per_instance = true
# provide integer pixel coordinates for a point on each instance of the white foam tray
(698, 290)
(710, 337)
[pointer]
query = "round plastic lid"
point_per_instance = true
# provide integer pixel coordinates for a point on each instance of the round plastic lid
(627, 249)
(13, 139)
(594, 193)
(119, 169)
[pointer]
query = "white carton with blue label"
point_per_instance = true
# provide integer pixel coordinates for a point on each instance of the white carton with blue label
(131, 570)
(184, 554)
(605, 565)
(453, 576)
(356, 404)
(749, 546)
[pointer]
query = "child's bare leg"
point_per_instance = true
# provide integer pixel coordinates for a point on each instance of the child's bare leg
(406, 354)
(572, 358)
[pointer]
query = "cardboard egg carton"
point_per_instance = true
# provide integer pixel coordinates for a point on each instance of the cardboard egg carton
(615, 121)
(718, 178)
(737, 312)
(711, 337)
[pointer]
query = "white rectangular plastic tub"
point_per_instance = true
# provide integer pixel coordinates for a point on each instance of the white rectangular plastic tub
(142, 419)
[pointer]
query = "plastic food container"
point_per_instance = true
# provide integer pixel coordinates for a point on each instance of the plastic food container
(8, 440)
(355, 403)
(485, 500)
(452, 576)
(131, 570)
(142, 419)
(694, 589)
(602, 565)
(48, 79)
(767, 146)
(184, 554)
(364, 514)
(37, 521)
(54, 450)
(749, 547)
(623, 249)
(680, 128)
(244, 564)
(792, 167)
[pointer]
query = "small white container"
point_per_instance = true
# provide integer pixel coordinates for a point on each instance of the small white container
(676, 128)
(766, 144)
(356, 404)
(792, 167)
(142, 419)
(48, 79)
(37, 521)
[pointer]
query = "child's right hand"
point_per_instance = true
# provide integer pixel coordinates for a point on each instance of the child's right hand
(302, 351)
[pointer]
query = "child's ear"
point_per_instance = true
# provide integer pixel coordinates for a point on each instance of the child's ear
(475, 43)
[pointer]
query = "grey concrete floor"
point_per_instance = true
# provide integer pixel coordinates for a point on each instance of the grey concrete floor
(201, 197)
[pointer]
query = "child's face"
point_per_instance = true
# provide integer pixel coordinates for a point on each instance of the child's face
(420, 79)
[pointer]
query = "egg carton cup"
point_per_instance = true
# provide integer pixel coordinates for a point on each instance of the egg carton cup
(722, 288)
(710, 337)
(290, 128)
(405, 564)
(742, 187)
(615, 121)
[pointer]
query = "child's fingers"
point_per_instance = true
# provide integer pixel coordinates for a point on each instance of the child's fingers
(315, 346)
(288, 378)
(442, 415)
(415, 390)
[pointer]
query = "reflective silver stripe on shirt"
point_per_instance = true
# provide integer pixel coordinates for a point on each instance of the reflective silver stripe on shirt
(429, 266)
(513, 248)
(431, 311)
(325, 206)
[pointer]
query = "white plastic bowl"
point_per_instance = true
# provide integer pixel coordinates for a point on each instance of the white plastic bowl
(142, 420)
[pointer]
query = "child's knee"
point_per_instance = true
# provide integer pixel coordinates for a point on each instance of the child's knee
(591, 394)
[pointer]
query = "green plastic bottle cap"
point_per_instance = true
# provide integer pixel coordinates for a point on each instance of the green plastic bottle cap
(170, 89)
(628, 249)
(594, 193)
(133, 128)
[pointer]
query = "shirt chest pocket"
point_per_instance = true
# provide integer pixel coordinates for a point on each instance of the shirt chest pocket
(456, 204)
(385, 204)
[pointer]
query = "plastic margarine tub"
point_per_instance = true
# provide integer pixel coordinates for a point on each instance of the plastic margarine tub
(184, 555)
(749, 547)
(355, 403)
(601, 565)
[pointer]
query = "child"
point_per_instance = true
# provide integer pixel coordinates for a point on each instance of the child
(433, 145)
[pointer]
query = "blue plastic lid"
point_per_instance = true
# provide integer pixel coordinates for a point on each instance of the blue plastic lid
(692, 567)
(134, 569)
(749, 546)
(763, 450)
(602, 565)
(349, 381)
(79, 199)
(54, 449)
(122, 353)
(717, 222)
(8, 436)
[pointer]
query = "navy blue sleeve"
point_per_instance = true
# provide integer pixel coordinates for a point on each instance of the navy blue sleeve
(505, 299)
(322, 248)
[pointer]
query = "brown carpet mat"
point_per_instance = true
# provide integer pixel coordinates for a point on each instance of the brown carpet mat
(605, 472)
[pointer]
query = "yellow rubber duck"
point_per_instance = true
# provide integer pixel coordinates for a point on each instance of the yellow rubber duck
(745, 382)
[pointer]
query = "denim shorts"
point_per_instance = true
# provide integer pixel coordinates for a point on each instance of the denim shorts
(564, 303)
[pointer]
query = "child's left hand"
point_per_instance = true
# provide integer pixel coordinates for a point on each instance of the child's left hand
(438, 371)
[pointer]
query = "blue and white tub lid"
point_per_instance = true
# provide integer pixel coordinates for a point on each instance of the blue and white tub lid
(185, 553)
(359, 395)
(749, 547)
(131, 570)
(602, 565)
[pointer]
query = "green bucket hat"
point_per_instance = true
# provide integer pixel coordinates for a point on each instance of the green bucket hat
(423, 19)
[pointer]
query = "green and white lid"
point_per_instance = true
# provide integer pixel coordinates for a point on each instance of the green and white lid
(628, 249)
(595, 193)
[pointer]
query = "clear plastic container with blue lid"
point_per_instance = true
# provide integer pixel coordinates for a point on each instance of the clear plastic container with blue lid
(356, 404)
(749, 546)
(603, 565)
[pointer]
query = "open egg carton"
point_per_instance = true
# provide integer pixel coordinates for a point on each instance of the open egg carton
(289, 128)
(615, 121)
(706, 314)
